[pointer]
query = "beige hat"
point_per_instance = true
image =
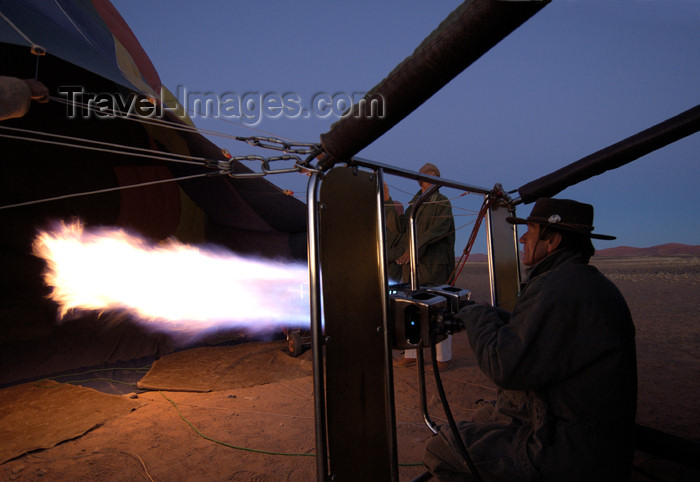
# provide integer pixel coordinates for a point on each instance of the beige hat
(428, 168)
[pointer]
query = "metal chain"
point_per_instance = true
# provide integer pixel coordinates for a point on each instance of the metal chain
(293, 151)
(280, 145)
(227, 166)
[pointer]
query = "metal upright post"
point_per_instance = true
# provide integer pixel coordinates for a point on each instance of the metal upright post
(413, 250)
(317, 329)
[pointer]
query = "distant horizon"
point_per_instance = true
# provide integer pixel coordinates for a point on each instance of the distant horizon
(666, 249)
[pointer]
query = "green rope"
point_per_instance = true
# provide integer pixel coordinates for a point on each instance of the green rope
(230, 445)
(246, 449)
(86, 381)
(139, 370)
(136, 369)
(206, 437)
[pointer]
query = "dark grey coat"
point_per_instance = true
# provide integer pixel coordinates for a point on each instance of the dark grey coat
(565, 365)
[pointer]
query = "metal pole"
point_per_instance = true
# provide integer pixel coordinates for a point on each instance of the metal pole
(413, 250)
(317, 329)
(413, 235)
(464, 36)
(417, 176)
(613, 156)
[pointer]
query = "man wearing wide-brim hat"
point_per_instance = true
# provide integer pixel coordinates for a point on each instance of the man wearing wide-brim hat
(564, 361)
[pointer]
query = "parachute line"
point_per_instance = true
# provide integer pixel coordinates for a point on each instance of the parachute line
(101, 191)
(17, 29)
(126, 150)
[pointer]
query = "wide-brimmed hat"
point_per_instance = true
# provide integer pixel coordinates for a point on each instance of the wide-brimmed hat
(562, 214)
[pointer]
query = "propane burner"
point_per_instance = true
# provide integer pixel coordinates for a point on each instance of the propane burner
(416, 315)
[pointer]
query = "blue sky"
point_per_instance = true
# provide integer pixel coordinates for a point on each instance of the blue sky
(577, 77)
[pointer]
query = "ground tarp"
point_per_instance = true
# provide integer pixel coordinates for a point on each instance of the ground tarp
(225, 367)
(42, 414)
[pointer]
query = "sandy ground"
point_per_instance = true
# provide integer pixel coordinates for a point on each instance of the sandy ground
(215, 436)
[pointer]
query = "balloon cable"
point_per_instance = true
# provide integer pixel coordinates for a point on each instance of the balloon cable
(116, 148)
(101, 191)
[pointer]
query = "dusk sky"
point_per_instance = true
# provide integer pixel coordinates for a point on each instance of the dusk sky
(575, 78)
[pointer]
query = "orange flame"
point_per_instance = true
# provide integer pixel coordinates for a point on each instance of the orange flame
(176, 286)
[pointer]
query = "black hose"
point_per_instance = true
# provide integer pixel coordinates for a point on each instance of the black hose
(448, 413)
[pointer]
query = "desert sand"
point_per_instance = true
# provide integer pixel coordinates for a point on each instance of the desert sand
(265, 432)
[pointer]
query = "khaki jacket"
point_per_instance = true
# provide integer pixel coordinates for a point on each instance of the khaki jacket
(435, 228)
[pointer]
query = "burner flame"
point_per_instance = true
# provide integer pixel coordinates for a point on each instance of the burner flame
(171, 285)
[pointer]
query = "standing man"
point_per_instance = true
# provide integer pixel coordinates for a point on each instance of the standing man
(564, 362)
(395, 248)
(435, 230)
